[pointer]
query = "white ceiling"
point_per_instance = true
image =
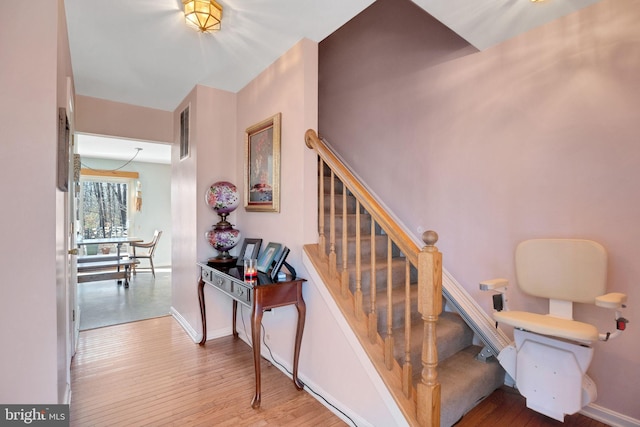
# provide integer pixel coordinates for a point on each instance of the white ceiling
(141, 52)
(121, 149)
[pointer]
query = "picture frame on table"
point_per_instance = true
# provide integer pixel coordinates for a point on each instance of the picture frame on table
(278, 262)
(262, 166)
(250, 249)
(267, 256)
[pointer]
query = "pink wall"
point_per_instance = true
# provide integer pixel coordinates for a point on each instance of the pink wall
(30, 84)
(536, 137)
(212, 132)
(288, 86)
(65, 296)
(102, 117)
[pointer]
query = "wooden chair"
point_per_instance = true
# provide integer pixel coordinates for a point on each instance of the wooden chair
(151, 248)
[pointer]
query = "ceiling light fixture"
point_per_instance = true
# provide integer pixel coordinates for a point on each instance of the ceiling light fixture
(205, 15)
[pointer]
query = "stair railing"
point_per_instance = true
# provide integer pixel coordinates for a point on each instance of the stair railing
(427, 261)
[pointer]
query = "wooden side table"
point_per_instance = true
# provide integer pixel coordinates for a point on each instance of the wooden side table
(259, 295)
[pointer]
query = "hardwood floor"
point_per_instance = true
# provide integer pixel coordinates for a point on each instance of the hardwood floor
(507, 408)
(151, 373)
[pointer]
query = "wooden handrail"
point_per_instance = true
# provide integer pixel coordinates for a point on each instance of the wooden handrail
(399, 237)
(428, 263)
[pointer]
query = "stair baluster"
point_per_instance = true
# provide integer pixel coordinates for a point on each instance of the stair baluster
(373, 291)
(344, 278)
(321, 237)
(332, 227)
(407, 371)
(358, 293)
(388, 339)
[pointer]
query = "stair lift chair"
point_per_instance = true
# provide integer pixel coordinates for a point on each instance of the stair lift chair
(551, 352)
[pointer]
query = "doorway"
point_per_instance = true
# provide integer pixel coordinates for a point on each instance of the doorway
(124, 191)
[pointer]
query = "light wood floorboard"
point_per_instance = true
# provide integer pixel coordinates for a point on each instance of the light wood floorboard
(151, 373)
(507, 408)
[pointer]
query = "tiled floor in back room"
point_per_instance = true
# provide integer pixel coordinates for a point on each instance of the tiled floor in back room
(106, 303)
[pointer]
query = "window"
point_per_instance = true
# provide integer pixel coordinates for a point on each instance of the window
(105, 208)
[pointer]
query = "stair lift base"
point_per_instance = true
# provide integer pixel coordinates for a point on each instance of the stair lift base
(550, 373)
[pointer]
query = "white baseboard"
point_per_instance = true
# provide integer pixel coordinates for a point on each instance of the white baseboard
(608, 416)
(67, 395)
(195, 336)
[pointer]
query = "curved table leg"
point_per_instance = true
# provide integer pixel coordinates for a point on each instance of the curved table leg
(203, 313)
(235, 312)
(302, 310)
(256, 321)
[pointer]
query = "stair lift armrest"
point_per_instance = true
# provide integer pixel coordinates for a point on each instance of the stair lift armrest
(499, 286)
(614, 300)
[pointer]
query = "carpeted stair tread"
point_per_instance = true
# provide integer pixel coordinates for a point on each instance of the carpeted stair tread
(465, 381)
(365, 224)
(398, 276)
(365, 247)
(398, 309)
(452, 335)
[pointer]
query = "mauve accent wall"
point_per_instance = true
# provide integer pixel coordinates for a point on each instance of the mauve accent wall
(536, 137)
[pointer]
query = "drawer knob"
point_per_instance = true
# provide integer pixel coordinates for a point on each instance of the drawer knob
(219, 281)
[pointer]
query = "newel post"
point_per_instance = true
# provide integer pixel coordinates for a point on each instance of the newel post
(430, 306)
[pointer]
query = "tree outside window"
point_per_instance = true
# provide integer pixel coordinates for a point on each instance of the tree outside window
(104, 210)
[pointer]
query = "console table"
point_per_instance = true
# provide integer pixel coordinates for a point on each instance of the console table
(259, 295)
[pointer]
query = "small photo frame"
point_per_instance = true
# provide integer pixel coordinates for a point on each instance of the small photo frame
(267, 256)
(262, 166)
(250, 249)
(277, 263)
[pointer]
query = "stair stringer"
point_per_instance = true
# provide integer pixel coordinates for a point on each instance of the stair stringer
(402, 412)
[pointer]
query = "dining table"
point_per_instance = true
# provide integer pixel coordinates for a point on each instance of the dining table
(118, 241)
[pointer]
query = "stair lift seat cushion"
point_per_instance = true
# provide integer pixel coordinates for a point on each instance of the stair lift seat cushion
(571, 270)
(562, 269)
(545, 324)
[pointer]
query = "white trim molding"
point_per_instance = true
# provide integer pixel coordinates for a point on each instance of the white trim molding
(609, 417)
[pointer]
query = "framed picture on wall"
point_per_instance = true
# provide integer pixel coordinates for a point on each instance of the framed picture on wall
(262, 166)
(63, 150)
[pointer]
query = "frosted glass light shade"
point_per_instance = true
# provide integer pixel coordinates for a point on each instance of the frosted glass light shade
(205, 15)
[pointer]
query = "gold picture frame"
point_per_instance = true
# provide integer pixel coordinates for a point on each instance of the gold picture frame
(262, 166)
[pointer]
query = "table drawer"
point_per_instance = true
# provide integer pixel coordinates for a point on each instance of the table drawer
(206, 275)
(221, 283)
(242, 293)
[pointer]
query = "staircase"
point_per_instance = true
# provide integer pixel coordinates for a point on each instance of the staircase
(390, 293)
